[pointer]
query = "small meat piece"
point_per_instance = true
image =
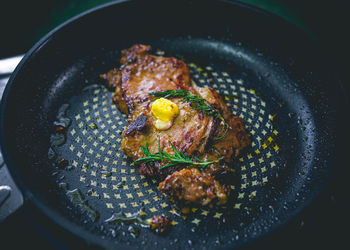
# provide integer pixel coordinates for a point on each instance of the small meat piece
(160, 224)
(193, 186)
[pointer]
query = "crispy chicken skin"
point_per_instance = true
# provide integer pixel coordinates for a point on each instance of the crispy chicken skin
(192, 131)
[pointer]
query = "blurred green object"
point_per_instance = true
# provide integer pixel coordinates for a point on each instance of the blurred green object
(66, 11)
(282, 9)
(22, 22)
(72, 8)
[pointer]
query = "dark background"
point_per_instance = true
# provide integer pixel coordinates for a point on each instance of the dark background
(323, 225)
(24, 22)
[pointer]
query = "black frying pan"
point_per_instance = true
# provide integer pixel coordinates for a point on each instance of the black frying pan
(271, 74)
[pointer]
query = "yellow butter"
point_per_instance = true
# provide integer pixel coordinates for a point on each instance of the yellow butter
(162, 125)
(164, 109)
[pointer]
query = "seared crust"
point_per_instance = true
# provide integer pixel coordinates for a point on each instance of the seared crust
(192, 132)
(193, 186)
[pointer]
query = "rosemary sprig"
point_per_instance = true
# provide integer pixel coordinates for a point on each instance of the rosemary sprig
(179, 158)
(197, 103)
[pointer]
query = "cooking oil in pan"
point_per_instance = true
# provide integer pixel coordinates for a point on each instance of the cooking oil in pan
(111, 182)
(76, 198)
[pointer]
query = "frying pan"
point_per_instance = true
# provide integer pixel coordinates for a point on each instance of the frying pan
(271, 74)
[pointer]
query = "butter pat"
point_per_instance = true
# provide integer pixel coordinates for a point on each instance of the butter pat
(164, 111)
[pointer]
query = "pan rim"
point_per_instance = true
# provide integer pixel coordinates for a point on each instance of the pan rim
(47, 210)
(28, 195)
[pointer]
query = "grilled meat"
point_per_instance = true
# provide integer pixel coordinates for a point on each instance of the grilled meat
(193, 132)
(141, 73)
(194, 186)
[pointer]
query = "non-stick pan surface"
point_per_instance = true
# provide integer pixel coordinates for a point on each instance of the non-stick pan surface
(268, 72)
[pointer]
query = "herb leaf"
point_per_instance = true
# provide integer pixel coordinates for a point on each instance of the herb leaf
(197, 103)
(178, 158)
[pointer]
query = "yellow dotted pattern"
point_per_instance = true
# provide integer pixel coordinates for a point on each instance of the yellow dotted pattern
(93, 149)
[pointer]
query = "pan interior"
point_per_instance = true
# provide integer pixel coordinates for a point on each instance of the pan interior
(257, 90)
(266, 70)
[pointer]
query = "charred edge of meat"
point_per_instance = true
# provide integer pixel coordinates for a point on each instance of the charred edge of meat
(119, 100)
(190, 186)
(214, 132)
(140, 124)
(111, 79)
(131, 102)
(160, 224)
(225, 175)
(152, 169)
(131, 54)
(242, 136)
(245, 140)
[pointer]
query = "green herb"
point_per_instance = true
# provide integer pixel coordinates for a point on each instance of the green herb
(179, 158)
(197, 103)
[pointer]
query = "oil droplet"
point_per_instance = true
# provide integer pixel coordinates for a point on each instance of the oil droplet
(91, 87)
(190, 242)
(120, 184)
(281, 104)
(63, 185)
(69, 167)
(160, 52)
(62, 110)
(59, 126)
(62, 163)
(134, 231)
(77, 198)
(113, 232)
(62, 120)
(93, 126)
(135, 218)
(51, 154)
(291, 115)
(57, 139)
(106, 173)
(92, 192)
